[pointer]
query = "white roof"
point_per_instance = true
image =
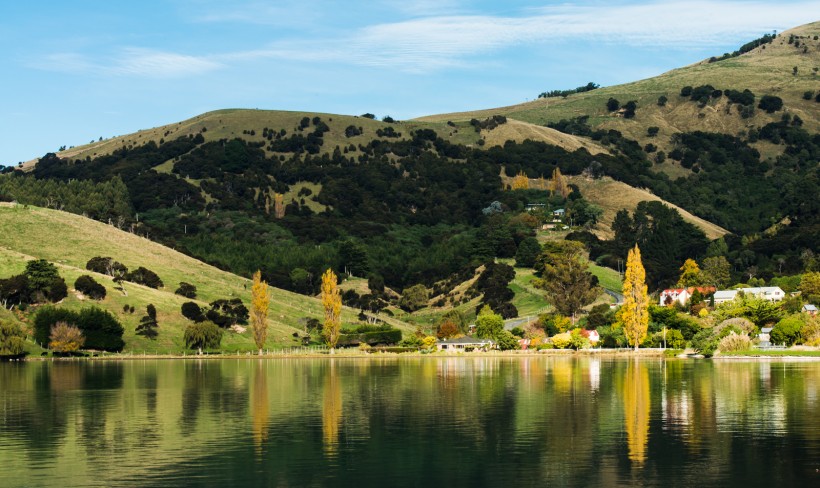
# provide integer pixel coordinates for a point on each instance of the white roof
(809, 308)
(760, 290)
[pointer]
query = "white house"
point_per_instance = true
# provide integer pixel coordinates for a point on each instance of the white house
(672, 295)
(810, 309)
(770, 293)
(465, 343)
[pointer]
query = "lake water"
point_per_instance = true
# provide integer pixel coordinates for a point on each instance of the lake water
(485, 421)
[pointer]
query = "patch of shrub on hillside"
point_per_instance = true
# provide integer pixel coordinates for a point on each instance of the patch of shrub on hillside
(89, 287)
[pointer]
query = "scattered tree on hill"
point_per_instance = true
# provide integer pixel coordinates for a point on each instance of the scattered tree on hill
(12, 339)
(106, 266)
(629, 109)
(332, 303)
(148, 324)
(770, 104)
(65, 338)
(414, 298)
(368, 116)
(652, 131)
(227, 312)
(89, 287)
(144, 276)
(45, 282)
(186, 290)
(662, 100)
(565, 277)
(634, 312)
(202, 335)
(193, 312)
(260, 299)
(612, 104)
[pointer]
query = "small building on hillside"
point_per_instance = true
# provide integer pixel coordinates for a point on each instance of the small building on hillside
(770, 293)
(536, 207)
(465, 344)
(810, 309)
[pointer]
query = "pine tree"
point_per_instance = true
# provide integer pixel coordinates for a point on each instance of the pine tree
(332, 303)
(260, 299)
(635, 310)
(148, 324)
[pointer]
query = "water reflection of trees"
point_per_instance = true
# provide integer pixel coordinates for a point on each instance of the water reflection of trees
(636, 400)
(583, 421)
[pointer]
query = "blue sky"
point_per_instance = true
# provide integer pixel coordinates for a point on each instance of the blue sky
(73, 71)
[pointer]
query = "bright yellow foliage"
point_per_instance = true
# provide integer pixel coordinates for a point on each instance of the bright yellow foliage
(429, 342)
(278, 205)
(65, 338)
(332, 303)
(636, 398)
(260, 299)
(690, 274)
(635, 310)
(520, 182)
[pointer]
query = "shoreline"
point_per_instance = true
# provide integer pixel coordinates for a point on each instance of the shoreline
(606, 353)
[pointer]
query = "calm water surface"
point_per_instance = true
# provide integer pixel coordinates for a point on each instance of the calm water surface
(428, 422)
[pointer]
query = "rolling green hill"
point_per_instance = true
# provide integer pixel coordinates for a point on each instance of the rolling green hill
(70, 240)
(765, 70)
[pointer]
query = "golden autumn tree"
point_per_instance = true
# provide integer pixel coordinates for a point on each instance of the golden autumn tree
(259, 310)
(559, 183)
(690, 274)
(332, 303)
(520, 182)
(635, 310)
(278, 205)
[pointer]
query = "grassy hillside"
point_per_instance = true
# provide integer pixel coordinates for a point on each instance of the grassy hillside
(613, 195)
(70, 241)
(768, 69)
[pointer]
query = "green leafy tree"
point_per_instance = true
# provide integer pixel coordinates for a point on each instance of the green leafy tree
(527, 252)
(488, 324)
(716, 271)
(565, 277)
(202, 335)
(186, 290)
(507, 341)
(193, 312)
(787, 330)
(810, 286)
(12, 339)
(414, 298)
(89, 287)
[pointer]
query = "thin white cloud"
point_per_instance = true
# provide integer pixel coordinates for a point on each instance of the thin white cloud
(130, 62)
(158, 64)
(430, 43)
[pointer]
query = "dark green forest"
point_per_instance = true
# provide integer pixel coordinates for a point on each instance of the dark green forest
(419, 210)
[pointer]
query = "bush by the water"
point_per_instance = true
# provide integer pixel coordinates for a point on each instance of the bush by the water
(734, 343)
(202, 335)
(101, 329)
(11, 339)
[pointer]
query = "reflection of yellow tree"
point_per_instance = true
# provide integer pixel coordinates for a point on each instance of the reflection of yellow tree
(331, 410)
(636, 410)
(260, 407)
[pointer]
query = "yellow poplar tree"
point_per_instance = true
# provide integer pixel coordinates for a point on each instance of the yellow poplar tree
(520, 182)
(559, 183)
(260, 299)
(278, 205)
(635, 310)
(332, 303)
